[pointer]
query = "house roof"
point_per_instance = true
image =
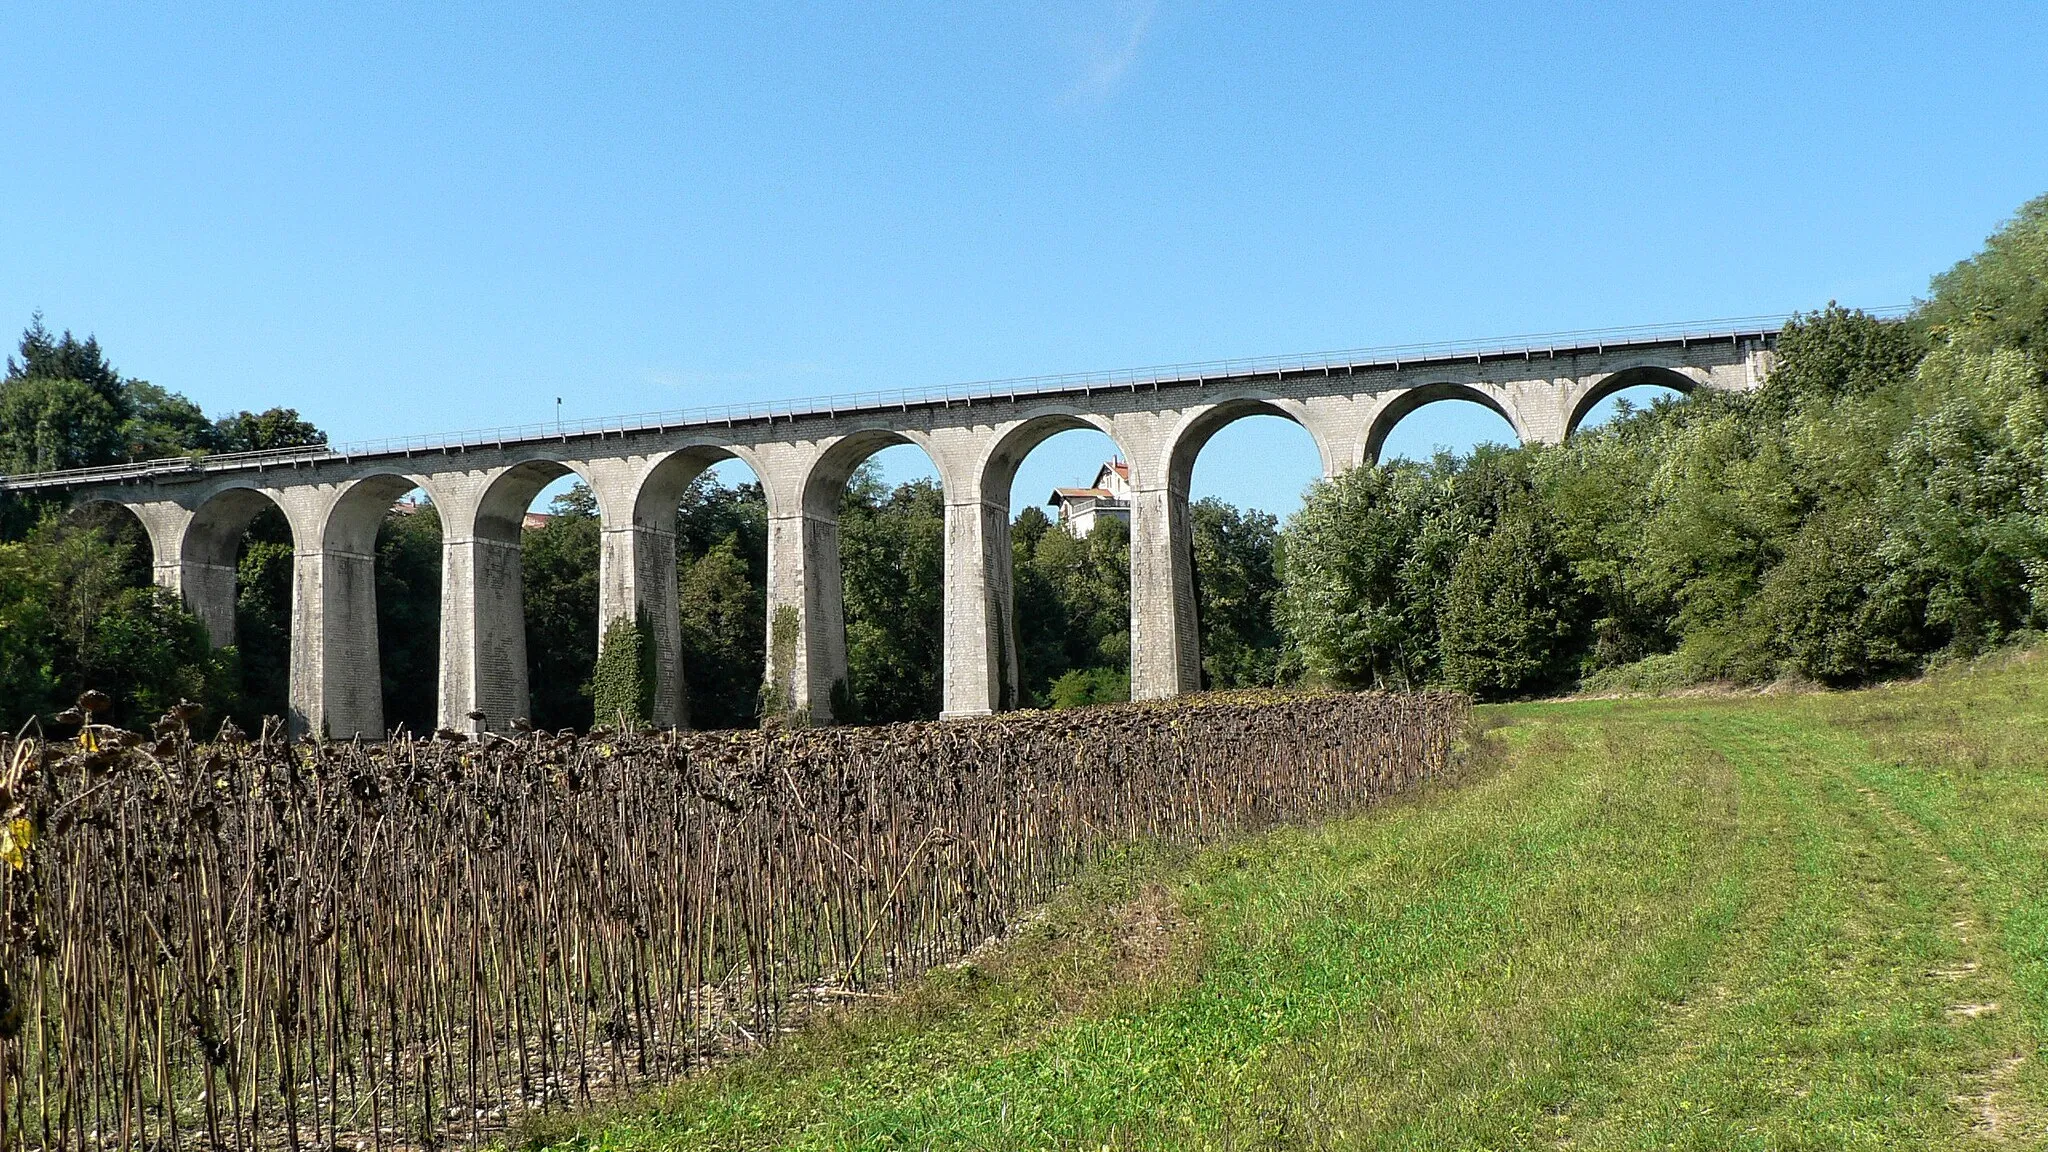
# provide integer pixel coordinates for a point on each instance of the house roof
(1116, 468)
(1122, 470)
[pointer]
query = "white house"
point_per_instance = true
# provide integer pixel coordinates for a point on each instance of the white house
(1109, 496)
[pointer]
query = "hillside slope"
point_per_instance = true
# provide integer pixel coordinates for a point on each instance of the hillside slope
(1764, 922)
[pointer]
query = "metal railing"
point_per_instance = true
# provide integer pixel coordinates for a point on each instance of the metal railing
(1017, 388)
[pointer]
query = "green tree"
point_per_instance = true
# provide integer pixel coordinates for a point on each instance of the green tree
(892, 562)
(1837, 352)
(1966, 505)
(711, 513)
(1826, 609)
(62, 405)
(723, 614)
(1237, 582)
(77, 611)
(263, 617)
(1595, 489)
(1072, 602)
(1999, 297)
(1368, 558)
(264, 431)
(1510, 621)
(148, 653)
(50, 423)
(409, 616)
(722, 599)
(162, 423)
(28, 676)
(558, 564)
(1084, 686)
(1038, 614)
(47, 357)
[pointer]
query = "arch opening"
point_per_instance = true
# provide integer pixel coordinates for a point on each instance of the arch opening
(547, 512)
(1065, 486)
(709, 501)
(883, 499)
(238, 575)
(125, 553)
(1628, 390)
(394, 521)
(1246, 465)
(1435, 418)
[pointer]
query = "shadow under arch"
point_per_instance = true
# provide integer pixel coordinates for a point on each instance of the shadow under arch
(407, 630)
(124, 528)
(357, 514)
(1406, 403)
(662, 486)
(713, 675)
(1644, 375)
(211, 550)
(254, 607)
(501, 510)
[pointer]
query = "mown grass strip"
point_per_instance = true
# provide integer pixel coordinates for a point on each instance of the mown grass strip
(1767, 922)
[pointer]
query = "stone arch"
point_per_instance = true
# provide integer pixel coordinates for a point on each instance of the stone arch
(160, 546)
(821, 620)
(1196, 429)
(835, 466)
(208, 553)
(1655, 375)
(352, 648)
(983, 667)
(219, 521)
(1406, 402)
(1168, 660)
(996, 471)
(501, 507)
(660, 487)
(358, 510)
(484, 651)
(643, 571)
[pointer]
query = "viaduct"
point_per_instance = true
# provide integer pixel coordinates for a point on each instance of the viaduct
(195, 509)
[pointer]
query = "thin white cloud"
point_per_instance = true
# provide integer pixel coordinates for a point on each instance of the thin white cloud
(1109, 54)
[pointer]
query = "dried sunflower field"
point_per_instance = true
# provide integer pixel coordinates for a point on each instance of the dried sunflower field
(265, 943)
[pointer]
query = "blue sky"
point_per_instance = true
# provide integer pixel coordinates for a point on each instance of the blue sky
(403, 219)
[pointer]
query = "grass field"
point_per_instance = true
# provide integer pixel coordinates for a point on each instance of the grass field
(1797, 921)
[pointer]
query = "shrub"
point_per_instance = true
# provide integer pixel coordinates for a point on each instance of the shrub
(1084, 686)
(622, 687)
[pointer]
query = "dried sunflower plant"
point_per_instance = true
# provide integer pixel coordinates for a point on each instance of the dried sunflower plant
(267, 943)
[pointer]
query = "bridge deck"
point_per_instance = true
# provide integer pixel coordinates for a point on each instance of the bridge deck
(1278, 368)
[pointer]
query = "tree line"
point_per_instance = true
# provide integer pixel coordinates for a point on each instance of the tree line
(77, 608)
(1072, 602)
(1880, 502)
